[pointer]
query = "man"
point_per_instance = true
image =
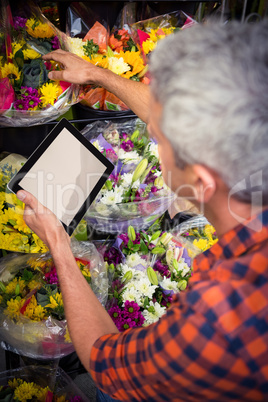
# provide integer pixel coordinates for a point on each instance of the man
(208, 113)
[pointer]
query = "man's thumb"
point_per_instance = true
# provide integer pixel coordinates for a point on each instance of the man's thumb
(21, 195)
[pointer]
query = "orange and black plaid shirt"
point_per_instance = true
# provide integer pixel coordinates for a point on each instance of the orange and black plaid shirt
(213, 342)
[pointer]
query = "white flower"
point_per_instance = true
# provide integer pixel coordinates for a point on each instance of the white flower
(129, 157)
(127, 181)
(97, 145)
(131, 294)
(168, 284)
(75, 46)
(145, 288)
(102, 209)
(113, 197)
(133, 260)
(118, 65)
(153, 149)
(183, 267)
(153, 314)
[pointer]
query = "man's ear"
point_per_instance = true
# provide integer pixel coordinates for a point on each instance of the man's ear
(204, 183)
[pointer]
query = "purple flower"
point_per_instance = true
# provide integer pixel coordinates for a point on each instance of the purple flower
(154, 189)
(21, 104)
(55, 43)
(76, 399)
(19, 22)
(52, 277)
(112, 256)
(28, 91)
(110, 154)
(33, 101)
(162, 269)
(127, 145)
(124, 136)
(115, 313)
(125, 238)
(131, 307)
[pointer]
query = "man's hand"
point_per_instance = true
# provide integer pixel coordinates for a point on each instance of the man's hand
(42, 221)
(75, 69)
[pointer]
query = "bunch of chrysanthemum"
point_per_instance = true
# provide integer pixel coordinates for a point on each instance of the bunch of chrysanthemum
(137, 175)
(33, 290)
(27, 73)
(20, 390)
(147, 268)
(117, 53)
(15, 235)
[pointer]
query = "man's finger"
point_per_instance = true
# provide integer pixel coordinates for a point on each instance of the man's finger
(28, 199)
(56, 75)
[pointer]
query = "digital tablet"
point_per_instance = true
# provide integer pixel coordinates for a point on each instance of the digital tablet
(65, 173)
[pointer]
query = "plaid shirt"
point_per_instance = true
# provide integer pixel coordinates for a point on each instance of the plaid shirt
(213, 342)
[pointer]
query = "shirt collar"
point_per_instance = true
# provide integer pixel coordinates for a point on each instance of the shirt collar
(238, 240)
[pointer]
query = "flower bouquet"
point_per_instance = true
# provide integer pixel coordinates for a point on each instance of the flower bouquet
(32, 315)
(147, 33)
(146, 268)
(32, 97)
(135, 193)
(117, 53)
(38, 383)
(15, 235)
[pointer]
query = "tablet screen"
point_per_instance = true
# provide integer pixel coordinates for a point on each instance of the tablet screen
(65, 174)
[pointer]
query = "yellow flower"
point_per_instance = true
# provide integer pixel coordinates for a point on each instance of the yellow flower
(30, 54)
(11, 286)
(38, 246)
(11, 71)
(55, 301)
(15, 382)
(33, 284)
(202, 244)
(39, 313)
(75, 46)
(39, 264)
(134, 60)
(13, 308)
(67, 336)
(49, 93)
(29, 311)
(15, 47)
(41, 393)
(148, 46)
(86, 272)
(26, 391)
(38, 29)
(98, 60)
(209, 230)
(1, 299)
(117, 65)
(60, 398)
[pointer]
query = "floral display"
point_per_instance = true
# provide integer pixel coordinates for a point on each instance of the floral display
(135, 189)
(31, 307)
(147, 33)
(147, 268)
(117, 53)
(39, 383)
(22, 391)
(33, 97)
(15, 235)
(202, 237)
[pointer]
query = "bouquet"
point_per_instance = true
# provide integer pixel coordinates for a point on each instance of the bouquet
(15, 235)
(117, 53)
(38, 383)
(135, 192)
(33, 98)
(31, 307)
(147, 268)
(147, 33)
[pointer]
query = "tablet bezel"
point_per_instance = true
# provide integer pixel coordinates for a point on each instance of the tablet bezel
(14, 186)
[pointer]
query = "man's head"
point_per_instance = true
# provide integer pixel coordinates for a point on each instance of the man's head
(212, 84)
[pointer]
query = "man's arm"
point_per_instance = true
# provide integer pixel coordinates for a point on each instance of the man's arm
(87, 319)
(78, 71)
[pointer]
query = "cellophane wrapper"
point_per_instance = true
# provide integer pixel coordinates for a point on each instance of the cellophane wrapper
(139, 213)
(46, 339)
(22, 67)
(160, 27)
(56, 379)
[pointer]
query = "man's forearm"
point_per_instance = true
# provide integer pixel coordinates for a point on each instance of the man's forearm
(87, 319)
(134, 94)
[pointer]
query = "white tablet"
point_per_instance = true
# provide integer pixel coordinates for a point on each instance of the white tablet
(65, 173)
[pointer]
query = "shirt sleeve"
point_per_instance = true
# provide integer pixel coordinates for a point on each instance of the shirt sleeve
(154, 362)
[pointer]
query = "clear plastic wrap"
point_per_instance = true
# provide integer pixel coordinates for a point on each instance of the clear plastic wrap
(61, 387)
(29, 291)
(135, 193)
(28, 97)
(148, 32)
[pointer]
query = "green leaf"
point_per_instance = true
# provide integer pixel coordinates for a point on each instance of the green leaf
(136, 247)
(19, 59)
(146, 302)
(144, 248)
(130, 244)
(27, 275)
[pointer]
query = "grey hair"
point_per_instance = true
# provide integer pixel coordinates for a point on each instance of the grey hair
(212, 81)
